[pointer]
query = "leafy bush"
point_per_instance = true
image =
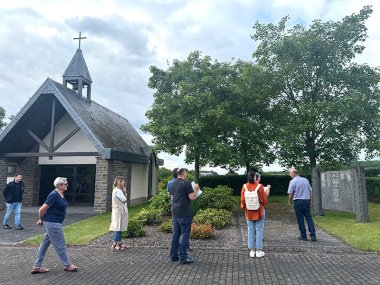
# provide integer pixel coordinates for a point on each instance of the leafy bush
(199, 231)
(372, 172)
(149, 216)
(161, 201)
(166, 227)
(135, 229)
(373, 189)
(218, 198)
(217, 218)
(279, 182)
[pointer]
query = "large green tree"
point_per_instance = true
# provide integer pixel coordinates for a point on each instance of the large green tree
(325, 106)
(189, 102)
(246, 124)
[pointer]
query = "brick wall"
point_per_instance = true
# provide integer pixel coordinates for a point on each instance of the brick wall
(106, 171)
(102, 186)
(121, 168)
(3, 180)
(31, 173)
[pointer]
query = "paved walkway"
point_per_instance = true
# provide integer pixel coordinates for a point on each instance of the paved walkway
(288, 261)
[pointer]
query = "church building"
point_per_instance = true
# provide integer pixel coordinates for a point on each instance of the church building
(62, 132)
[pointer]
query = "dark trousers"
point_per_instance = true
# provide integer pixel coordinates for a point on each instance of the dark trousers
(302, 210)
(180, 238)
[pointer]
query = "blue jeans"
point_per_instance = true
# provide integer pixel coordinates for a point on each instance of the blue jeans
(54, 235)
(302, 210)
(255, 233)
(117, 237)
(180, 240)
(13, 207)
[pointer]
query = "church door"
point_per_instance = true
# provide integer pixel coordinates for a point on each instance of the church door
(81, 180)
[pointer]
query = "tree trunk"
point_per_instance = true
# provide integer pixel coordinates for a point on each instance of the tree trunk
(196, 166)
(247, 167)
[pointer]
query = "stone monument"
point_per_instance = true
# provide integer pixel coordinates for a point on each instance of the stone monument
(343, 190)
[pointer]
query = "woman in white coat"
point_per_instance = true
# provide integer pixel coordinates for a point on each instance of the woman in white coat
(119, 218)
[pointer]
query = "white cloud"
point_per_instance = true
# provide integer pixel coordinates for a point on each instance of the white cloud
(124, 38)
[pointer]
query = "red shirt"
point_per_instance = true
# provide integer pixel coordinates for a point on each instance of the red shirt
(254, 215)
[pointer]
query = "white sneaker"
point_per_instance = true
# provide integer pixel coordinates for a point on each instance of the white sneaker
(252, 253)
(260, 253)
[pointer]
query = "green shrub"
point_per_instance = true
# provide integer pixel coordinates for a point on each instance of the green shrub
(217, 218)
(199, 231)
(135, 229)
(166, 227)
(161, 201)
(279, 182)
(149, 216)
(218, 198)
(372, 172)
(373, 189)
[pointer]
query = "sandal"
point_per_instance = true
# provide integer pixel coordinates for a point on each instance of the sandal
(37, 270)
(118, 247)
(70, 268)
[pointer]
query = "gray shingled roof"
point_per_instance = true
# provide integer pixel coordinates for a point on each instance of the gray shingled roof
(77, 67)
(112, 135)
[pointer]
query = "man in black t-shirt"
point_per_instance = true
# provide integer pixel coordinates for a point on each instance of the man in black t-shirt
(183, 193)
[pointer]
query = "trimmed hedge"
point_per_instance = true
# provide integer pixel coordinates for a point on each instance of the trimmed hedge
(279, 184)
(373, 189)
(372, 172)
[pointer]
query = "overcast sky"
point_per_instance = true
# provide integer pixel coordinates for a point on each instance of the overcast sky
(125, 37)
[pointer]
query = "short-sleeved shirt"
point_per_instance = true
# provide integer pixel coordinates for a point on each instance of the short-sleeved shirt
(181, 203)
(57, 208)
(300, 188)
(170, 184)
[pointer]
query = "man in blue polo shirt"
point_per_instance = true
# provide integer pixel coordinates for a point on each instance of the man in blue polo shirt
(300, 193)
(170, 184)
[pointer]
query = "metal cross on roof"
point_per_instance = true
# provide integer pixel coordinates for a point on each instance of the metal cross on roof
(79, 38)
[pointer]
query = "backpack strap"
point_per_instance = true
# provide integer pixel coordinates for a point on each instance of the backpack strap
(257, 188)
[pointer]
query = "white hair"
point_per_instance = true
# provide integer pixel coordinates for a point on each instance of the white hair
(59, 180)
(293, 170)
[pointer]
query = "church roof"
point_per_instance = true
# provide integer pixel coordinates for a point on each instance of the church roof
(112, 135)
(77, 67)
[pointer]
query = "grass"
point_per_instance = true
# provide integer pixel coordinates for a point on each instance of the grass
(364, 236)
(83, 232)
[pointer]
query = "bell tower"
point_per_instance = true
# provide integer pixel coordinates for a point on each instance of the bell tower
(77, 74)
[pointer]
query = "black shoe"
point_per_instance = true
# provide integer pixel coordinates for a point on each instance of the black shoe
(19, 227)
(313, 239)
(187, 260)
(301, 238)
(173, 259)
(7, 227)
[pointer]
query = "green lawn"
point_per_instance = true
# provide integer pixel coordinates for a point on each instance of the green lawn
(83, 232)
(364, 236)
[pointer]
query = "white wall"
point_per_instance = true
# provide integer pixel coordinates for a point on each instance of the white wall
(77, 143)
(139, 181)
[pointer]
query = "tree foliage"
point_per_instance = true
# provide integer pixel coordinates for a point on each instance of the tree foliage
(325, 107)
(190, 100)
(248, 118)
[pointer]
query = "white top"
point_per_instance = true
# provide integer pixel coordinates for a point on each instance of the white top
(120, 195)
